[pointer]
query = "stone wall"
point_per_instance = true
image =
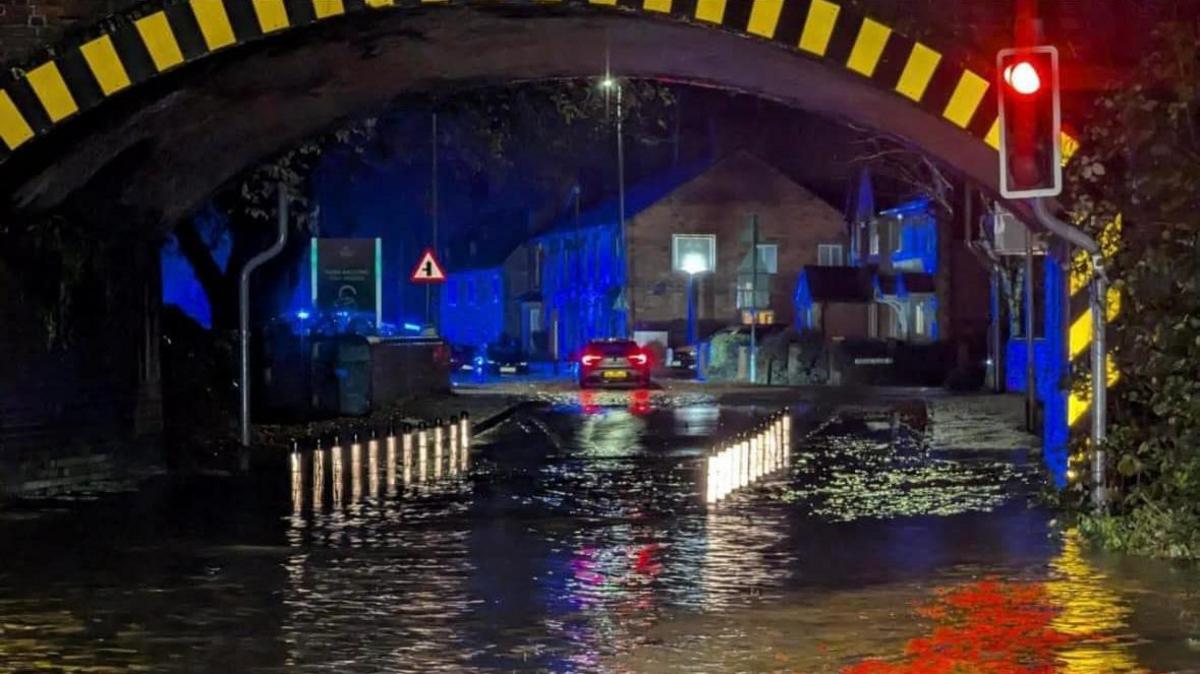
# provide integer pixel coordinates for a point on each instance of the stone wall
(720, 202)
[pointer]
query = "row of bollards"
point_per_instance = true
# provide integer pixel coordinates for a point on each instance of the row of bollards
(378, 467)
(749, 457)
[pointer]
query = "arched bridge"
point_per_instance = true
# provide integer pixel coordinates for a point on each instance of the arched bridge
(142, 115)
(157, 106)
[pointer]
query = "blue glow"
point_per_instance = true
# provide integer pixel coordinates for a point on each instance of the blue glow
(472, 307)
(918, 236)
(412, 327)
(302, 315)
(1055, 433)
(180, 287)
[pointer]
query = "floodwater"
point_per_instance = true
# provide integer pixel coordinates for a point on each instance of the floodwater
(576, 539)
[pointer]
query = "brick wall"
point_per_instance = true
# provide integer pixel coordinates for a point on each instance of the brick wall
(26, 25)
(719, 202)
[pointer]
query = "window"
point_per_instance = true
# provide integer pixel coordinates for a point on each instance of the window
(747, 293)
(832, 255)
(768, 258)
(694, 253)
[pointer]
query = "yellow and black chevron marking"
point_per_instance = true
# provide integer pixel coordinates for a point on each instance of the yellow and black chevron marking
(1079, 340)
(160, 35)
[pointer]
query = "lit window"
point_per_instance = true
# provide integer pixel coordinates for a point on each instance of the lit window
(833, 255)
(768, 258)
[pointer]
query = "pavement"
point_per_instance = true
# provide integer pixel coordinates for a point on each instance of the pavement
(973, 421)
(979, 421)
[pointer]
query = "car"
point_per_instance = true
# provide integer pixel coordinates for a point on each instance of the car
(506, 360)
(463, 358)
(614, 361)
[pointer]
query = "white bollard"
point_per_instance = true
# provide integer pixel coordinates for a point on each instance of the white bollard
(422, 455)
(297, 483)
(391, 464)
(437, 452)
(355, 472)
(710, 482)
(335, 474)
(373, 467)
(318, 478)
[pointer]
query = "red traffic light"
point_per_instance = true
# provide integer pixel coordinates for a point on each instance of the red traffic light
(1023, 77)
(1030, 122)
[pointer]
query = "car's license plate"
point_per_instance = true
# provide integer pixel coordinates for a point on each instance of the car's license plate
(615, 374)
(508, 369)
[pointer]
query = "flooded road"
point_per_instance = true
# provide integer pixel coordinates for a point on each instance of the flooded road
(576, 538)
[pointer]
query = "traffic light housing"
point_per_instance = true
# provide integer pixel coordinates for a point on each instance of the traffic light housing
(1030, 122)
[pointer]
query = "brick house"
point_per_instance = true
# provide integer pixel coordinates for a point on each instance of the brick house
(796, 228)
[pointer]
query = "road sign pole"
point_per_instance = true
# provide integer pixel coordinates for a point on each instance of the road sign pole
(754, 299)
(244, 312)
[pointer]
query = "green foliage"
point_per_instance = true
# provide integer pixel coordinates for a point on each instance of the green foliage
(1140, 158)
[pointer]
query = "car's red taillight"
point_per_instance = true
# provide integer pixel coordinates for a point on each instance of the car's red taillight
(590, 359)
(639, 358)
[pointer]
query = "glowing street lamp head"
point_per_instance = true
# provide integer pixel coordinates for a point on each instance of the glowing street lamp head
(694, 263)
(608, 82)
(1024, 78)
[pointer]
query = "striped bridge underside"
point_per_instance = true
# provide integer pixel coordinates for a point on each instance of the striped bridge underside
(159, 36)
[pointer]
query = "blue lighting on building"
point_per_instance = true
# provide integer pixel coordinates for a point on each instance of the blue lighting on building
(472, 307)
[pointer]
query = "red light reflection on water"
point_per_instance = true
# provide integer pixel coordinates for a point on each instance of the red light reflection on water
(989, 627)
(639, 402)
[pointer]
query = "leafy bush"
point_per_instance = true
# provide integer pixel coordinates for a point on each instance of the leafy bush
(1140, 158)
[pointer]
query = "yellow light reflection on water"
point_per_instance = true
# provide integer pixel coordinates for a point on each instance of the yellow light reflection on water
(1092, 611)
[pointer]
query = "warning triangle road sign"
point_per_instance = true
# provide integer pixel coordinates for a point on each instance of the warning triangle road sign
(428, 270)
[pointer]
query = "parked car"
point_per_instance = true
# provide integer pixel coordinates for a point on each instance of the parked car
(614, 361)
(463, 358)
(683, 358)
(506, 360)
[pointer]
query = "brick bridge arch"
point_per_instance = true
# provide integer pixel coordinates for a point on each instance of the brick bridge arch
(176, 96)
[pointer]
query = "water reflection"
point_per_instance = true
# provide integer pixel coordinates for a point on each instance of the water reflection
(573, 544)
(1073, 623)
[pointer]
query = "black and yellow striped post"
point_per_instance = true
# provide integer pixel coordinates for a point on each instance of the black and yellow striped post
(1089, 296)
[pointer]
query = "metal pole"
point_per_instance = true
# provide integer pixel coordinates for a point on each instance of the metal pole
(629, 301)
(997, 374)
(244, 312)
(754, 299)
(1030, 371)
(1099, 303)
(691, 326)
(1099, 355)
(579, 332)
(433, 207)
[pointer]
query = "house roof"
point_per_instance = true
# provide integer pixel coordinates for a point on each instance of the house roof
(908, 282)
(638, 198)
(839, 284)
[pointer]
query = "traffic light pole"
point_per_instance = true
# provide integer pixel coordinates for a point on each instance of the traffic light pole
(1098, 301)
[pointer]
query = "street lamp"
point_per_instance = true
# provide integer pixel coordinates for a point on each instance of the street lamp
(693, 264)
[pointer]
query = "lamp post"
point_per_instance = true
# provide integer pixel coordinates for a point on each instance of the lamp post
(609, 83)
(693, 265)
